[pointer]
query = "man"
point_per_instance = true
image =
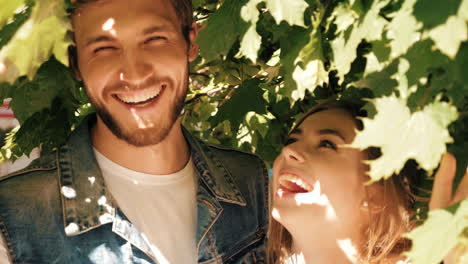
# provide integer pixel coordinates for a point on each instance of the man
(131, 185)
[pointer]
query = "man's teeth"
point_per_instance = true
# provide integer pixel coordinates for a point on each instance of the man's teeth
(138, 97)
(287, 179)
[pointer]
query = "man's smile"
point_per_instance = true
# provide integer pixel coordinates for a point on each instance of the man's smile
(140, 98)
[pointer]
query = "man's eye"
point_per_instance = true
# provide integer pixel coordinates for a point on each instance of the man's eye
(103, 49)
(154, 38)
(327, 144)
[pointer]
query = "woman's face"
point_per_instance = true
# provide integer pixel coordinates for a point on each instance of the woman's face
(318, 181)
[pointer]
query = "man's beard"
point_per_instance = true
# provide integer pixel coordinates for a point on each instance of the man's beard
(148, 136)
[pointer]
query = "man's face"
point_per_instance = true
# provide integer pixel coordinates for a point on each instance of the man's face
(133, 60)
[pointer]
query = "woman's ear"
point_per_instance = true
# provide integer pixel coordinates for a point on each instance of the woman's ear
(73, 62)
(374, 201)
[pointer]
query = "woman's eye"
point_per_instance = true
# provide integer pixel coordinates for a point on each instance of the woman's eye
(327, 144)
(290, 141)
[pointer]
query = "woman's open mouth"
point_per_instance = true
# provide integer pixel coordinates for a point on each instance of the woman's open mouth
(289, 183)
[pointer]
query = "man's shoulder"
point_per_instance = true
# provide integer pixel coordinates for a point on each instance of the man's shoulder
(46, 162)
(219, 149)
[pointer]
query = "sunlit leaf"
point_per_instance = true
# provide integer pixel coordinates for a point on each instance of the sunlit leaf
(370, 28)
(441, 232)
(42, 35)
(403, 30)
(402, 135)
(291, 11)
(251, 41)
(450, 35)
(8, 9)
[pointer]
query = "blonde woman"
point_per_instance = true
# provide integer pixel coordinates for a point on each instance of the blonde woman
(322, 210)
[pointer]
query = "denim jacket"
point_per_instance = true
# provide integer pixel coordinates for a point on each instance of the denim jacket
(58, 210)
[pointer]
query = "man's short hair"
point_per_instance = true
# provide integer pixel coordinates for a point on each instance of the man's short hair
(183, 9)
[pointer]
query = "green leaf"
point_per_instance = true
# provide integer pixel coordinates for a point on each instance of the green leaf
(247, 98)
(52, 124)
(9, 8)
(433, 240)
(402, 135)
(433, 12)
(422, 59)
(223, 29)
(450, 35)
(309, 71)
(251, 42)
(42, 35)
(291, 11)
(291, 43)
(34, 96)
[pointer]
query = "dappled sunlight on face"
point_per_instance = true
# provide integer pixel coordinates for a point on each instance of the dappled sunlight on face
(275, 213)
(109, 26)
(319, 184)
(133, 60)
(348, 248)
(318, 198)
(141, 123)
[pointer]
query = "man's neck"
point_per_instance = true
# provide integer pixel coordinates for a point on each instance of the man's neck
(169, 156)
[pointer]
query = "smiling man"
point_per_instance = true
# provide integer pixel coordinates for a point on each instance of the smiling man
(131, 185)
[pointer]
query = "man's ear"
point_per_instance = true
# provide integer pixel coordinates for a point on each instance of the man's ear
(193, 48)
(73, 62)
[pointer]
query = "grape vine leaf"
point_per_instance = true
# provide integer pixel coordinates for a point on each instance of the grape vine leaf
(8, 9)
(251, 42)
(248, 97)
(42, 35)
(222, 30)
(449, 36)
(309, 71)
(291, 11)
(424, 11)
(369, 28)
(51, 80)
(403, 30)
(402, 135)
(463, 11)
(442, 230)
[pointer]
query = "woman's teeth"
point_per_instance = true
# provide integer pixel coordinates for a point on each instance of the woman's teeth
(138, 98)
(294, 183)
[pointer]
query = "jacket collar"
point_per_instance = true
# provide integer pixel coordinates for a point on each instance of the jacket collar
(86, 202)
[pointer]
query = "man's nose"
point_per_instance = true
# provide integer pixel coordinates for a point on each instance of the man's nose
(135, 69)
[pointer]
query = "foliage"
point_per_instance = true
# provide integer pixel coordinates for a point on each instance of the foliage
(444, 227)
(264, 62)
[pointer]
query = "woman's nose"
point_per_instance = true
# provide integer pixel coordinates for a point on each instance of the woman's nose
(293, 153)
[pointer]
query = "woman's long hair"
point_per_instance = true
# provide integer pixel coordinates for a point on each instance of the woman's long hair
(382, 238)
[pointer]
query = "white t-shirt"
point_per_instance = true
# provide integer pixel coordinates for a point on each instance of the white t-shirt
(162, 207)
